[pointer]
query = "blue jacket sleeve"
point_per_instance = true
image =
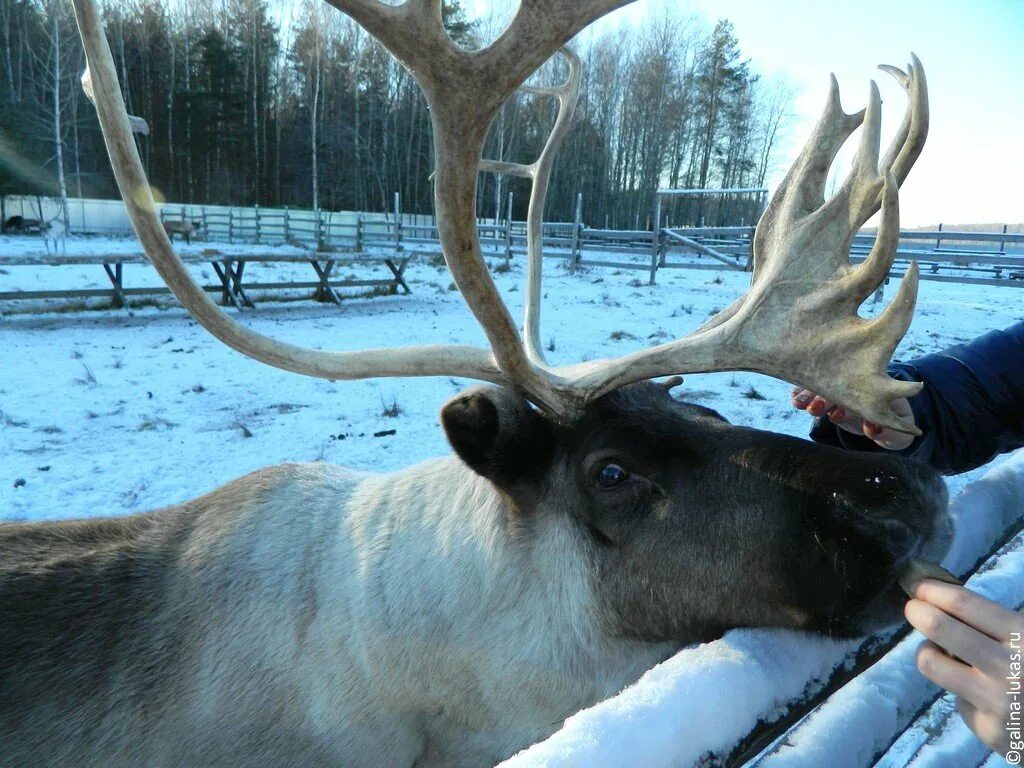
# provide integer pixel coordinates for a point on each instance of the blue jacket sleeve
(971, 408)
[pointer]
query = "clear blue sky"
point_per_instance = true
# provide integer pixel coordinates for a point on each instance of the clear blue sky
(972, 169)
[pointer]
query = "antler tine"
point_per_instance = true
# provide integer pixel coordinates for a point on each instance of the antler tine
(870, 274)
(861, 194)
(539, 172)
(136, 192)
(568, 95)
(909, 140)
(798, 321)
(804, 185)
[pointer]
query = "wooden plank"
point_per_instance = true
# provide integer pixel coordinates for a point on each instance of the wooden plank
(613, 234)
(307, 285)
(710, 231)
(325, 292)
(709, 267)
(701, 248)
(398, 270)
(645, 266)
(237, 284)
(978, 237)
(82, 293)
(228, 296)
(116, 280)
(950, 258)
(44, 260)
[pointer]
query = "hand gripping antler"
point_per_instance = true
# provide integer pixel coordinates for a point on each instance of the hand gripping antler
(799, 321)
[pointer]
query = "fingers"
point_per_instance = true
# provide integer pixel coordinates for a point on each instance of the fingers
(801, 398)
(988, 727)
(965, 642)
(887, 438)
(972, 609)
(980, 690)
(818, 406)
(958, 621)
(805, 400)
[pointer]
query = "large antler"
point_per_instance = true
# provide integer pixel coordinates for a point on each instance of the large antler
(798, 322)
(464, 91)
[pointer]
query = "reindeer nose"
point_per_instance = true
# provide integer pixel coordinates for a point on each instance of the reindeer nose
(880, 524)
(895, 503)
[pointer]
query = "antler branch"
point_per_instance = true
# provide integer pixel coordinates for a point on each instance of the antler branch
(138, 198)
(799, 319)
(539, 28)
(539, 172)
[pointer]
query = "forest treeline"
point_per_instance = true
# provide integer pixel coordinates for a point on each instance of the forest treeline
(291, 103)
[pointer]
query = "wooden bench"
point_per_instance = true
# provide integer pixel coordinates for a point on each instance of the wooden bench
(956, 266)
(230, 271)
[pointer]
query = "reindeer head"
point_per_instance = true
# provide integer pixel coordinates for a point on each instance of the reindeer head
(798, 322)
(692, 525)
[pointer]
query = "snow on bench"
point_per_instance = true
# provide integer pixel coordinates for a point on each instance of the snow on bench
(707, 698)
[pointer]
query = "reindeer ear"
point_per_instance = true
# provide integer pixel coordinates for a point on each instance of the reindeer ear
(500, 437)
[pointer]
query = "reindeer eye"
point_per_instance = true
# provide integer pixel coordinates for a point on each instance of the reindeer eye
(611, 475)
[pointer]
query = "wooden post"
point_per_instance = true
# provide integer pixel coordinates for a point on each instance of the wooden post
(1002, 243)
(287, 226)
(231, 225)
(880, 291)
(508, 231)
(256, 216)
(398, 223)
(938, 240)
(655, 239)
(359, 232)
(577, 226)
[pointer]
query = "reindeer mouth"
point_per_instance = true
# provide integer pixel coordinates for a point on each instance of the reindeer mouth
(886, 609)
(901, 541)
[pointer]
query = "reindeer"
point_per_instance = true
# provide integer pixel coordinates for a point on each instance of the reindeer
(587, 526)
(181, 227)
(21, 225)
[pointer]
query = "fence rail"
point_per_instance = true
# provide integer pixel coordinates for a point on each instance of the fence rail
(995, 258)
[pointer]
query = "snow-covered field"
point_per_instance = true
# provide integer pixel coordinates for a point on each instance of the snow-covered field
(118, 411)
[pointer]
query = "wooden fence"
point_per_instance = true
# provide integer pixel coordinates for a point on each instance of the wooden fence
(990, 258)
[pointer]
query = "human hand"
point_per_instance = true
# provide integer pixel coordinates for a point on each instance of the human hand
(854, 423)
(986, 640)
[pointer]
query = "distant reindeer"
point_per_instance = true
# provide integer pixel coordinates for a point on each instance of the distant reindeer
(586, 527)
(181, 227)
(22, 226)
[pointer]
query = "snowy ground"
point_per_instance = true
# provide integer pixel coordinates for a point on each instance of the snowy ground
(116, 411)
